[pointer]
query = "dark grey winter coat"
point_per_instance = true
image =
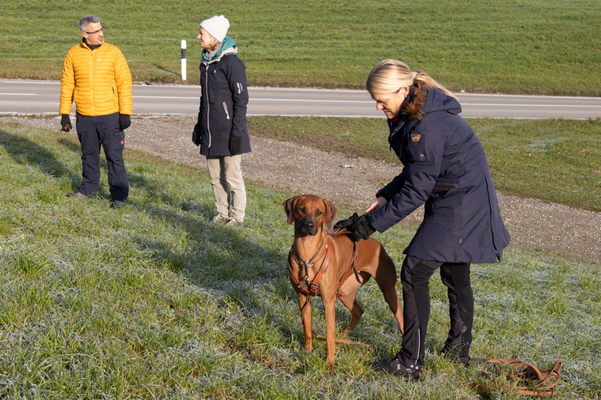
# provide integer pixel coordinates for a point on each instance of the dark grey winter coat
(445, 167)
(223, 102)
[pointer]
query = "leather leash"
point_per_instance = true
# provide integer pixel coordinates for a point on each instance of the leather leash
(523, 378)
(344, 341)
(521, 372)
(542, 383)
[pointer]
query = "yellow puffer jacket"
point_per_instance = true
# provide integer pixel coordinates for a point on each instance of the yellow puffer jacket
(99, 81)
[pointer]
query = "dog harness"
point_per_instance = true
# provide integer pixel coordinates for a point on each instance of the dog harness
(309, 287)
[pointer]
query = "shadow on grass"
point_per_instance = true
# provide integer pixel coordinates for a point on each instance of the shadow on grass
(247, 271)
(216, 257)
(167, 70)
(219, 250)
(27, 152)
(70, 145)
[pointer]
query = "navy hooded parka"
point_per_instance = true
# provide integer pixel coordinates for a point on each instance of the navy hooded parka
(223, 101)
(445, 167)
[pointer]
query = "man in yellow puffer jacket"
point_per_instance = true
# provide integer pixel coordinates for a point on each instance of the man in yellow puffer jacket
(96, 76)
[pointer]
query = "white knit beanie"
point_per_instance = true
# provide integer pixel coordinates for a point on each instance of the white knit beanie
(217, 26)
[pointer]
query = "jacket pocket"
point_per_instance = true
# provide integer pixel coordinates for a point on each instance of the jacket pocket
(416, 146)
(115, 98)
(227, 114)
(445, 204)
(441, 189)
(119, 139)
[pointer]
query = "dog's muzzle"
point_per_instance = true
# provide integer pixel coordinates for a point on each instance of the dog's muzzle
(308, 227)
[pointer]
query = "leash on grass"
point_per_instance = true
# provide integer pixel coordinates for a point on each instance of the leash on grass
(343, 341)
(522, 378)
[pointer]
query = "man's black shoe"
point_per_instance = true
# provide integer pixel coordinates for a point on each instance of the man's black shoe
(117, 204)
(79, 195)
(395, 367)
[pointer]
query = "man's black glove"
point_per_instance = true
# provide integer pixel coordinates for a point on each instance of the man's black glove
(358, 227)
(124, 121)
(235, 145)
(66, 123)
(196, 138)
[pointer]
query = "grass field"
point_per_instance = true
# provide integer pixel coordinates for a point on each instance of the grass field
(530, 47)
(152, 301)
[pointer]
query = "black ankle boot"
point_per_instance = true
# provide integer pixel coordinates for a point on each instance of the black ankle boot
(395, 367)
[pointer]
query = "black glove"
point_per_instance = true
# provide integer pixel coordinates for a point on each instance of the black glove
(359, 227)
(66, 123)
(235, 145)
(196, 138)
(124, 121)
(345, 223)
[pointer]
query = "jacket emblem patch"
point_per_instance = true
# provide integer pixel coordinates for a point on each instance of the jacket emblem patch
(416, 137)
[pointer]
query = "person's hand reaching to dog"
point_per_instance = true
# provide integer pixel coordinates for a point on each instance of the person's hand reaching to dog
(358, 227)
(379, 202)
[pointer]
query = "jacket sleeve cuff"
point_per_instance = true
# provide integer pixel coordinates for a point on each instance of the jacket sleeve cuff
(379, 222)
(382, 194)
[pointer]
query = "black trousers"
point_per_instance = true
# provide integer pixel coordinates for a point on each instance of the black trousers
(415, 277)
(94, 132)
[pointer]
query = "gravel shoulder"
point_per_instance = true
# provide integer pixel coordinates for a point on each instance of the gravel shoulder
(532, 223)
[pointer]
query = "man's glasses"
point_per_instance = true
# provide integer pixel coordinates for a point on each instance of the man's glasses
(95, 32)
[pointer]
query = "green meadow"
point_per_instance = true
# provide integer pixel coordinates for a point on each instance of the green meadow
(550, 47)
(152, 301)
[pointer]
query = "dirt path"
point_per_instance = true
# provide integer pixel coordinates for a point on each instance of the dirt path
(532, 223)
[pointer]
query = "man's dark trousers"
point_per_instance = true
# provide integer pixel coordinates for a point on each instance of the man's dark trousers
(94, 132)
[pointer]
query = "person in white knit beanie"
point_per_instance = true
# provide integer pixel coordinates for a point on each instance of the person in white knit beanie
(216, 26)
(221, 131)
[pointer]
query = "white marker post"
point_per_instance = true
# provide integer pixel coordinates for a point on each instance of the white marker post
(183, 60)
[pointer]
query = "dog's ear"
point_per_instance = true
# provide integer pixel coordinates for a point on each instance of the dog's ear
(289, 207)
(331, 213)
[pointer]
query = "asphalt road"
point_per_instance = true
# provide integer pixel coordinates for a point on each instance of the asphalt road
(42, 97)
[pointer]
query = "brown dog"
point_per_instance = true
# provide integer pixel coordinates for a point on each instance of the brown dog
(347, 268)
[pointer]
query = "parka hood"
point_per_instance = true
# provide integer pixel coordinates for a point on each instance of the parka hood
(437, 100)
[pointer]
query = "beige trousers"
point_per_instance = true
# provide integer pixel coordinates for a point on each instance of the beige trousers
(228, 186)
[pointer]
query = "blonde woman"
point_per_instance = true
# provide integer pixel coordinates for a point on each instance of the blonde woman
(221, 129)
(445, 169)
